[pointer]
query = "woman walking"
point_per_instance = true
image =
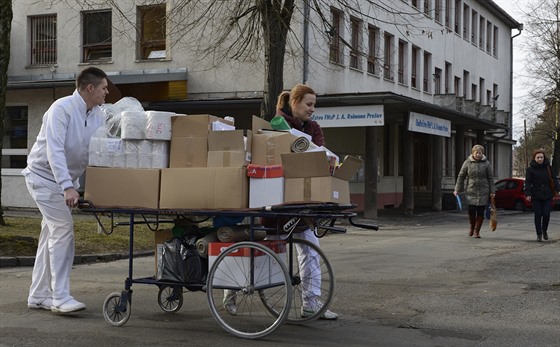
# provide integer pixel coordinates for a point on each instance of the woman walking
(540, 186)
(479, 177)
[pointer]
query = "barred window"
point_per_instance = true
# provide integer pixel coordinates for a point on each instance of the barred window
(43, 40)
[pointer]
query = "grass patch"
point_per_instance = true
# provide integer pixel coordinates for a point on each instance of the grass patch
(20, 237)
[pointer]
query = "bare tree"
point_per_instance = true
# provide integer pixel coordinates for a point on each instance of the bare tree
(5, 28)
(543, 77)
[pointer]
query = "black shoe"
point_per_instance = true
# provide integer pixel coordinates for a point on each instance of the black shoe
(538, 238)
(544, 235)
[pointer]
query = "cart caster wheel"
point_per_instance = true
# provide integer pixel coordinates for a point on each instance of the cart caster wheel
(170, 299)
(116, 309)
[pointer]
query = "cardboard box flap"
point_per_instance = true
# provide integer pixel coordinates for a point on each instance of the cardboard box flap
(306, 164)
(348, 168)
(258, 124)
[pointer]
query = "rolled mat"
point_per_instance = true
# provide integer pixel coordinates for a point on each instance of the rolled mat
(301, 144)
(202, 244)
(236, 233)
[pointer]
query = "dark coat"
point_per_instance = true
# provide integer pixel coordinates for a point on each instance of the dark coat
(537, 181)
(311, 127)
(478, 177)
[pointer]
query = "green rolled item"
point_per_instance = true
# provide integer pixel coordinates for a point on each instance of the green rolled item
(236, 233)
(279, 123)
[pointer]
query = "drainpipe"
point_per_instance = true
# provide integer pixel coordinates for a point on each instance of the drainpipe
(305, 40)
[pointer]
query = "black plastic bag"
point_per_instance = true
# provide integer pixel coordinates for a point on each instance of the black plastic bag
(180, 262)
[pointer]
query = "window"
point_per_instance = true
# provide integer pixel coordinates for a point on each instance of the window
(496, 95)
(457, 85)
(97, 33)
(336, 39)
(387, 56)
(14, 152)
(482, 86)
(466, 14)
(474, 27)
(427, 7)
(414, 68)
(447, 77)
(495, 51)
(448, 13)
(457, 19)
(373, 34)
(481, 33)
(414, 3)
(355, 29)
(466, 82)
(427, 69)
(437, 11)
(489, 33)
(489, 97)
(437, 81)
(403, 48)
(152, 24)
(43, 40)
(473, 92)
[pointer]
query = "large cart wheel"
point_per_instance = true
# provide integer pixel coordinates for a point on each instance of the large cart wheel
(116, 308)
(170, 299)
(317, 278)
(238, 277)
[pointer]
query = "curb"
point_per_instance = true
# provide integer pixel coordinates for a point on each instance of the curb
(78, 260)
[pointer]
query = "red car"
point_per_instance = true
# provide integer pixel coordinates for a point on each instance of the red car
(510, 195)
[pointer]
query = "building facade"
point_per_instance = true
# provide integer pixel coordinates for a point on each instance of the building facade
(410, 91)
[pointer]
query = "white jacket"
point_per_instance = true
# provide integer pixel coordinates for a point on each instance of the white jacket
(60, 153)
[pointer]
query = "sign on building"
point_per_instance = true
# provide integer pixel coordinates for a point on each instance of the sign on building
(351, 116)
(429, 125)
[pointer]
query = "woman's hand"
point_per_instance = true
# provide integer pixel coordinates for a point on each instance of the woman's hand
(455, 193)
(528, 198)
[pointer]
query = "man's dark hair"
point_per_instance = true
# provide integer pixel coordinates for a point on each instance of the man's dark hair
(91, 75)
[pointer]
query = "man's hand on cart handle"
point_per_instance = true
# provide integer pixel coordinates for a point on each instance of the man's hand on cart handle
(71, 197)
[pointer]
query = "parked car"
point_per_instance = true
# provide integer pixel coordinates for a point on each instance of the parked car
(510, 195)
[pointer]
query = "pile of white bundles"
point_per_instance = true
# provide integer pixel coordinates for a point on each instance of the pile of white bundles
(131, 137)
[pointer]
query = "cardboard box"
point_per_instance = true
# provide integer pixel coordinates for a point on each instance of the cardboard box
(196, 125)
(237, 265)
(160, 236)
(308, 178)
(188, 152)
(266, 191)
(201, 188)
(269, 146)
(229, 148)
(123, 188)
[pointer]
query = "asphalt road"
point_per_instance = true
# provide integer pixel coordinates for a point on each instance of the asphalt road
(418, 281)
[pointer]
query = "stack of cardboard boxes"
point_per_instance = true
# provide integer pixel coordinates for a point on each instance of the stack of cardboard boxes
(208, 169)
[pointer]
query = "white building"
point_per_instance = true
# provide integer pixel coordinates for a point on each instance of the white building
(416, 90)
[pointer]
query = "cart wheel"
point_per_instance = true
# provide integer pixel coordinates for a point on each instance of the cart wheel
(320, 280)
(170, 299)
(234, 288)
(116, 308)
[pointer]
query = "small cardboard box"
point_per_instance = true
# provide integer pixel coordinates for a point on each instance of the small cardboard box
(308, 178)
(188, 152)
(266, 271)
(201, 188)
(266, 191)
(126, 188)
(197, 125)
(229, 148)
(269, 146)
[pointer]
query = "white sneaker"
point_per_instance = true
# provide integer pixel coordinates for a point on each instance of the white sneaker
(229, 301)
(71, 305)
(45, 304)
(327, 315)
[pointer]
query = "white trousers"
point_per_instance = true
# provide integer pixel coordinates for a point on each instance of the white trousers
(55, 253)
(309, 264)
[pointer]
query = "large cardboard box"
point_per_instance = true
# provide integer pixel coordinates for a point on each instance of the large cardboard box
(235, 268)
(269, 146)
(188, 152)
(123, 188)
(202, 188)
(196, 125)
(308, 178)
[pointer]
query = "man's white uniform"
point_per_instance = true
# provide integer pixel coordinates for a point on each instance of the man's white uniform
(56, 161)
